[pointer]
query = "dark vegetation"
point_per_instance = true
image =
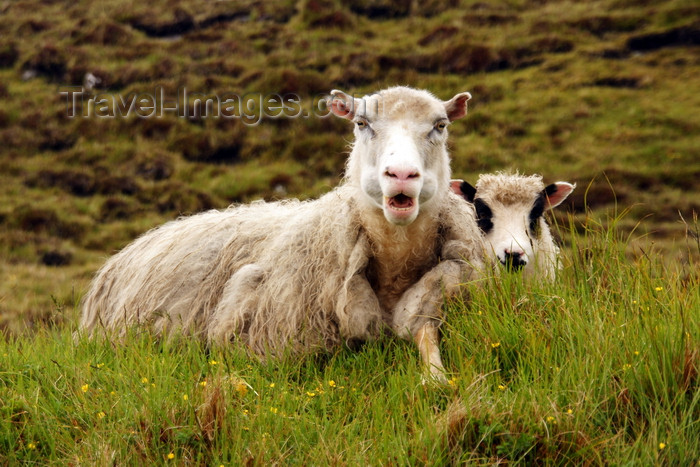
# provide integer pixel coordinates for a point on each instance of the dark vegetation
(604, 94)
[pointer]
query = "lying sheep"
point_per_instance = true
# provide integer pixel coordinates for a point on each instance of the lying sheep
(510, 212)
(380, 251)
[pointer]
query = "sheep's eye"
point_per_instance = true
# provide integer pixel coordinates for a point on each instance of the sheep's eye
(362, 123)
(438, 129)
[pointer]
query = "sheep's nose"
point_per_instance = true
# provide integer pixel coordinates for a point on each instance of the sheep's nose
(402, 173)
(514, 260)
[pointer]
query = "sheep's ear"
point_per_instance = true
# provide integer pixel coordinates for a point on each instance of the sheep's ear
(463, 189)
(456, 107)
(556, 193)
(341, 104)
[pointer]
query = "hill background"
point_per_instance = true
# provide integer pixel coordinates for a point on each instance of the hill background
(601, 93)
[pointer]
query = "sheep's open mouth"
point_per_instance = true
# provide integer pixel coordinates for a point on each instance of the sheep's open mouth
(401, 202)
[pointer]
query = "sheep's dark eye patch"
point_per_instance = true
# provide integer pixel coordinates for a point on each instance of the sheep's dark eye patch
(535, 213)
(483, 215)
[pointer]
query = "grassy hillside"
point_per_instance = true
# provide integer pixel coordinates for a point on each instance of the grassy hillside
(599, 368)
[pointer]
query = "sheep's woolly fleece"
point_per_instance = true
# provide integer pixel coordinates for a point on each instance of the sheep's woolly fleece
(296, 295)
(292, 275)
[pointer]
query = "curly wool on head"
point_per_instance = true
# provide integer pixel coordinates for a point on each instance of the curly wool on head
(509, 188)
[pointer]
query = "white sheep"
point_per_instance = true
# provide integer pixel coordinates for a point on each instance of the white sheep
(510, 213)
(382, 250)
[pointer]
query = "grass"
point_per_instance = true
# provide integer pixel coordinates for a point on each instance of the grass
(560, 88)
(600, 367)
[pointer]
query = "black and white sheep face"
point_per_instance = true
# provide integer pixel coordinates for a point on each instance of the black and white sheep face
(513, 225)
(399, 156)
(510, 230)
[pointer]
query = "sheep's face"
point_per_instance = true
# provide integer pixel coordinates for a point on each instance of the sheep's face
(510, 213)
(399, 158)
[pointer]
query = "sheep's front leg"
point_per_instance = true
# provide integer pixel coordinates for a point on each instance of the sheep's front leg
(358, 311)
(238, 301)
(418, 312)
(426, 338)
(361, 317)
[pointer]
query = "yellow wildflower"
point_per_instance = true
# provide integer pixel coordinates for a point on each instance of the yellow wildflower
(501, 387)
(171, 455)
(550, 419)
(659, 289)
(144, 380)
(331, 383)
(213, 362)
(185, 397)
(495, 345)
(101, 415)
(203, 383)
(662, 445)
(85, 387)
(273, 409)
(272, 385)
(310, 394)
(241, 388)
(31, 446)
